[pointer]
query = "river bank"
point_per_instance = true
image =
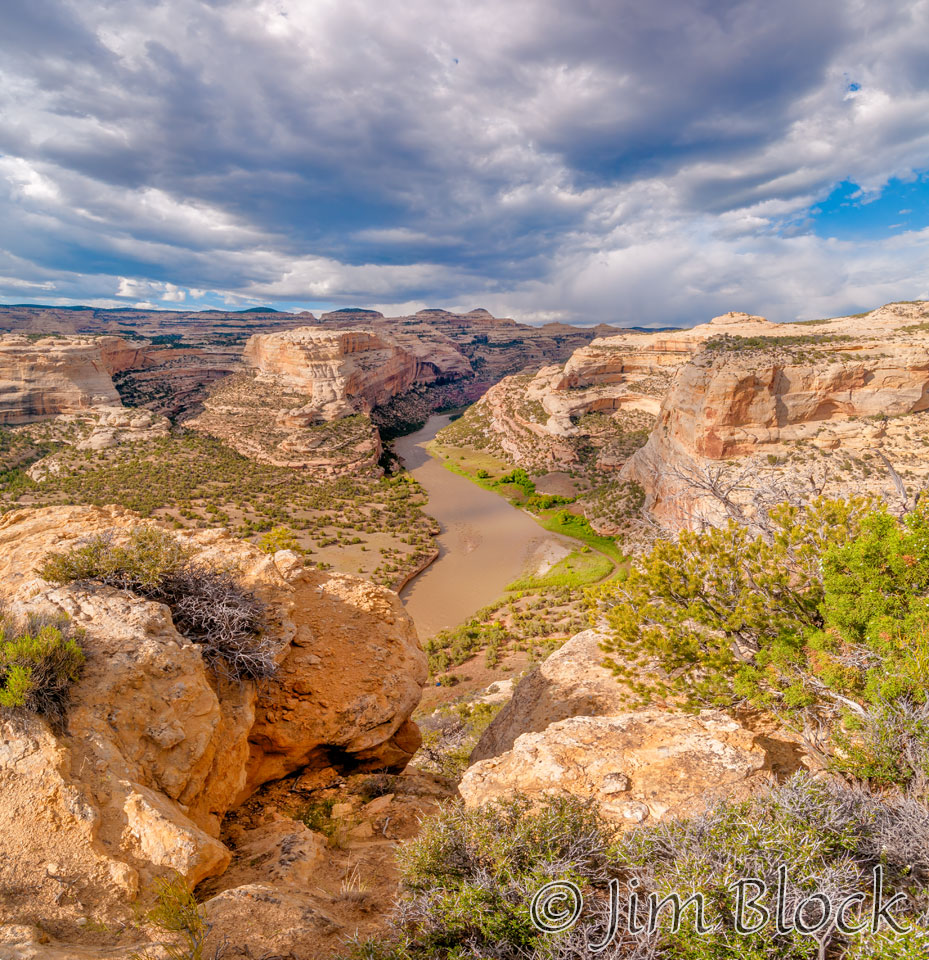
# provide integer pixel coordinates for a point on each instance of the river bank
(484, 545)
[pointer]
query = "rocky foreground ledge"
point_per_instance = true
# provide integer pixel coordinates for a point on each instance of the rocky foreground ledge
(569, 729)
(156, 750)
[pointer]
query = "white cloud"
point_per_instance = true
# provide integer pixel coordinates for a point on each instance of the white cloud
(608, 161)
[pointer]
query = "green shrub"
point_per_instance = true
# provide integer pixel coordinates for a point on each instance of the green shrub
(209, 607)
(143, 563)
(824, 620)
(317, 815)
(470, 876)
(519, 478)
(39, 660)
(278, 538)
(177, 912)
(546, 501)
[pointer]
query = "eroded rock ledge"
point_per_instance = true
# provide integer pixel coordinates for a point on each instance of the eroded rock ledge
(570, 728)
(342, 372)
(156, 750)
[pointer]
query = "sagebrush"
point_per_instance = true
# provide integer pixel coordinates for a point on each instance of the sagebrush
(470, 876)
(39, 660)
(210, 606)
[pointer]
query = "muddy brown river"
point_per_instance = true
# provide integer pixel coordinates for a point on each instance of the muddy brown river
(485, 542)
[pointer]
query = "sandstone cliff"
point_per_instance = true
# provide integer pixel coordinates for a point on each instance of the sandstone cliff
(43, 377)
(823, 407)
(600, 399)
(156, 749)
(305, 398)
(168, 360)
(348, 371)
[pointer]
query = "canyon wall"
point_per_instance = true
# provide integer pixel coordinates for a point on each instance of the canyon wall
(43, 377)
(759, 416)
(593, 410)
(348, 371)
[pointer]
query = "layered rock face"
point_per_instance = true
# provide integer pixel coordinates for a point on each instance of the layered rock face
(830, 398)
(44, 377)
(173, 378)
(568, 729)
(156, 749)
(544, 422)
(633, 370)
(346, 371)
(305, 399)
(639, 766)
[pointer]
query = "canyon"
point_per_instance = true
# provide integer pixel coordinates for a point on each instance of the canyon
(162, 767)
(179, 353)
(735, 405)
(263, 380)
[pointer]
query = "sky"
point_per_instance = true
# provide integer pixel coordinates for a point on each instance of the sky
(581, 160)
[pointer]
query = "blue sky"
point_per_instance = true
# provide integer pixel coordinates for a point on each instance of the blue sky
(851, 213)
(591, 160)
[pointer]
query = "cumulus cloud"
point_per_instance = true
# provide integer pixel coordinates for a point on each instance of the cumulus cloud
(587, 160)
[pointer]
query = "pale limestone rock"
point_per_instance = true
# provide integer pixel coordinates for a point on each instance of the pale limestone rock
(159, 834)
(637, 766)
(570, 682)
(30, 942)
(156, 749)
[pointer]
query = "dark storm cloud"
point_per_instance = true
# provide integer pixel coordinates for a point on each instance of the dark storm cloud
(547, 157)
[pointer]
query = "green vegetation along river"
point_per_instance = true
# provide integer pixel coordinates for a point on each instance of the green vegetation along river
(485, 543)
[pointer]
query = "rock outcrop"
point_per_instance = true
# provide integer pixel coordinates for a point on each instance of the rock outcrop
(571, 682)
(46, 376)
(156, 749)
(43, 377)
(268, 422)
(571, 727)
(168, 361)
(739, 396)
(341, 372)
(762, 415)
(637, 766)
(96, 429)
